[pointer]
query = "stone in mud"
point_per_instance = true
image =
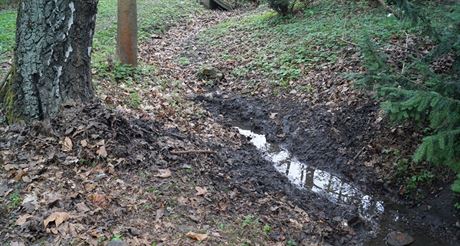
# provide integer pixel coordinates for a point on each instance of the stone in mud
(210, 73)
(397, 238)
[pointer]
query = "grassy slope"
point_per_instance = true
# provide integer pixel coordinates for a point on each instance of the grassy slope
(285, 50)
(285, 46)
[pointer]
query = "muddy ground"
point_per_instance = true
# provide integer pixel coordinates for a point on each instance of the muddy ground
(177, 165)
(336, 143)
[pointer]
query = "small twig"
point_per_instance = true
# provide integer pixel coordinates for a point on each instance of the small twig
(348, 42)
(184, 152)
(359, 153)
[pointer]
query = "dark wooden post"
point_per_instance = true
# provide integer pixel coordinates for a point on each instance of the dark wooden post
(127, 32)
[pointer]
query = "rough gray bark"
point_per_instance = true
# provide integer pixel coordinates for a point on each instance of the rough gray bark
(52, 58)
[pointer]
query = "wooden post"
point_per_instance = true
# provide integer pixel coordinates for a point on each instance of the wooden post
(127, 32)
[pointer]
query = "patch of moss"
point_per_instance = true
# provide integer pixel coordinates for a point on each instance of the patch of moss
(7, 98)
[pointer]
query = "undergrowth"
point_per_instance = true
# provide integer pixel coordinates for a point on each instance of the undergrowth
(288, 47)
(317, 35)
(424, 87)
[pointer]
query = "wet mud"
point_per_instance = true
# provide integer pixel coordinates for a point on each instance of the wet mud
(314, 157)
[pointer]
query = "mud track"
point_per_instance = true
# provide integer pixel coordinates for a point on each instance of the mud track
(346, 142)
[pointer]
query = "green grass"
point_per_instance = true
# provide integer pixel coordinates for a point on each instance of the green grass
(286, 47)
(154, 16)
(7, 35)
(15, 200)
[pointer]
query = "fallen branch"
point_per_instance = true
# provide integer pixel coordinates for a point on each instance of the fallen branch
(185, 152)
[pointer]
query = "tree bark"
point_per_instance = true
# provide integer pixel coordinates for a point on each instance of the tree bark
(52, 58)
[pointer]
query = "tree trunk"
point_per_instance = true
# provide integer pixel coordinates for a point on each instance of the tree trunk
(52, 58)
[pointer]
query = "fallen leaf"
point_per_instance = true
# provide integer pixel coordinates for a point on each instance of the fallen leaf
(57, 217)
(160, 214)
(182, 200)
(19, 175)
(22, 219)
(52, 198)
(197, 236)
(81, 207)
(101, 143)
(102, 152)
(90, 187)
(201, 191)
(84, 143)
(30, 199)
(164, 173)
(17, 244)
(9, 167)
(67, 144)
(99, 199)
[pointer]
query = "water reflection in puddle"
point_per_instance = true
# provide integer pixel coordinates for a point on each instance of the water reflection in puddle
(323, 183)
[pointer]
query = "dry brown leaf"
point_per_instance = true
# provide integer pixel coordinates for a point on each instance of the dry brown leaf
(84, 143)
(19, 175)
(90, 187)
(67, 144)
(164, 173)
(99, 199)
(22, 219)
(102, 152)
(57, 217)
(201, 191)
(81, 207)
(197, 236)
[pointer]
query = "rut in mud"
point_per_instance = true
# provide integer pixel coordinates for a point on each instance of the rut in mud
(300, 148)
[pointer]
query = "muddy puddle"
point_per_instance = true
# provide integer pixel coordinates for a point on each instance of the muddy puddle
(318, 181)
(382, 216)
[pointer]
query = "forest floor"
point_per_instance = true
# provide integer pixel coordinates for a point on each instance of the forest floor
(158, 160)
